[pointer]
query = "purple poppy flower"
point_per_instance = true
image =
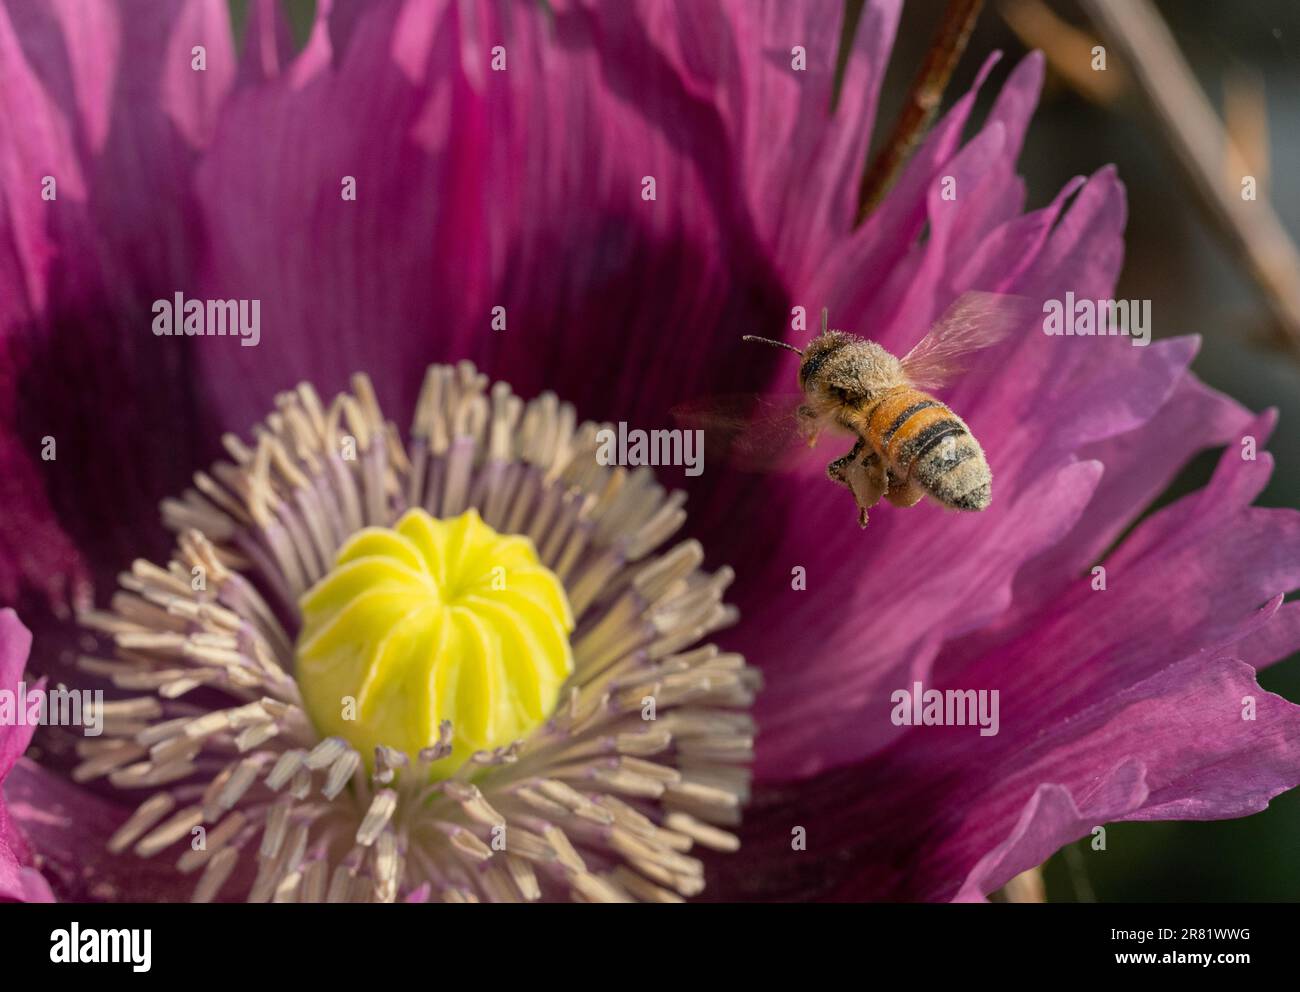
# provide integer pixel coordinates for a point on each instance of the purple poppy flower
(595, 200)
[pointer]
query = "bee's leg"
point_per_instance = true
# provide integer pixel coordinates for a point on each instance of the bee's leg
(864, 477)
(868, 482)
(903, 492)
(835, 470)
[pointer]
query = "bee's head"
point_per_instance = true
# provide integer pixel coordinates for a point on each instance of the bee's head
(816, 367)
(838, 367)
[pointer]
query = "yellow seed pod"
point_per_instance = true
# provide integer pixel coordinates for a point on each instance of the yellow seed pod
(433, 620)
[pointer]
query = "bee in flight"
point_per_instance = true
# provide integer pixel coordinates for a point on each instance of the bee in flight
(909, 444)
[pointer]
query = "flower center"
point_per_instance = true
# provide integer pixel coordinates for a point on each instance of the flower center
(432, 621)
(413, 743)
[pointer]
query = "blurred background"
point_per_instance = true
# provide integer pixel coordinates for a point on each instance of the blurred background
(1245, 56)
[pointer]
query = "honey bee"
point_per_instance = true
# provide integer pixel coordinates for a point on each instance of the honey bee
(908, 444)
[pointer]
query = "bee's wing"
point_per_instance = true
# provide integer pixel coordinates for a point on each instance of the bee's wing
(976, 320)
(752, 432)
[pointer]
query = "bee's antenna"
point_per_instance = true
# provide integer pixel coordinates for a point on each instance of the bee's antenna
(775, 344)
(825, 318)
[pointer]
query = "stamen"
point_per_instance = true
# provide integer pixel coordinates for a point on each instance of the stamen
(641, 756)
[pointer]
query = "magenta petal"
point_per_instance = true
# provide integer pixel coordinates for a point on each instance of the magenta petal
(78, 275)
(40, 143)
(18, 879)
(191, 96)
(946, 813)
(70, 826)
(33, 547)
(827, 702)
(1051, 818)
(1139, 465)
(1275, 640)
(1200, 760)
(852, 279)
(800, 161)
(330, 271)
(18, 882)
(15, 645)
(268, 45)
(466, 180)
(75, 47)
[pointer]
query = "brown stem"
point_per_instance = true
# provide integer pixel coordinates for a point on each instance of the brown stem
(923, 100)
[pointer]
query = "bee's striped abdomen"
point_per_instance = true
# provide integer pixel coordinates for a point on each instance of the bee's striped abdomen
(922, 440)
